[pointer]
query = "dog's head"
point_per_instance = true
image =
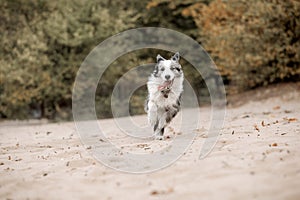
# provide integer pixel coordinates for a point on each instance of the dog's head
(168, 70)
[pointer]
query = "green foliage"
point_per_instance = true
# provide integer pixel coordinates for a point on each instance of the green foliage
(43, 43)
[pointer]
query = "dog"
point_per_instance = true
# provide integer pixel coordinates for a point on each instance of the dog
(165, 87)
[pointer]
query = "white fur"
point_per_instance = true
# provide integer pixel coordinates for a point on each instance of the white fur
(161, 109)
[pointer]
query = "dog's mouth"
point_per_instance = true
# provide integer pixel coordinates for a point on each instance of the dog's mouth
(166, 85)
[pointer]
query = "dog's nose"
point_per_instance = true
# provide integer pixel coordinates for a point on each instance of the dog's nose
(167, 77)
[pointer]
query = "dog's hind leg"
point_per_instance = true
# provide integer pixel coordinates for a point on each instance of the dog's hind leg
(159, 135)
(165, 119)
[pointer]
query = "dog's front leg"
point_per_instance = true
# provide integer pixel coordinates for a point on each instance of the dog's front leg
(152, 114)
(159, 128)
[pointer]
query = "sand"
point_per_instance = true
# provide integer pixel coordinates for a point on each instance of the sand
(257, 156)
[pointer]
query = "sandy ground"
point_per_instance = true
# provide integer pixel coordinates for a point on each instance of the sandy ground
(257, 156)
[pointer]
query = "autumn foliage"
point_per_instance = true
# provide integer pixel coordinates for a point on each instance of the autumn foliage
(43, 43)
(253, 43)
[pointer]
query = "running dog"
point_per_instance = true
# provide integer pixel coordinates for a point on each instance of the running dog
(165, 86)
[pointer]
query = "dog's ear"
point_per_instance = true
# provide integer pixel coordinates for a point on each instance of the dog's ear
(176, 57)
(159, 58)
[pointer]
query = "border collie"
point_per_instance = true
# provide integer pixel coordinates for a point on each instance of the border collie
(165, 86)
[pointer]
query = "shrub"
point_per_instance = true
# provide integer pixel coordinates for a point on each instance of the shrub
(253, 43)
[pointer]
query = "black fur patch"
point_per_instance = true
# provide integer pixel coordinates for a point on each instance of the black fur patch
(179, 100)
(146, 105)
(171, 114)
(160, 59)
(156, 125)
(168, 119)
(155, 72)
(176, 106)
(162, 131)
(166, 92)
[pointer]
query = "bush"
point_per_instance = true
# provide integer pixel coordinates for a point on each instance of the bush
(44, 43)
(253, 43)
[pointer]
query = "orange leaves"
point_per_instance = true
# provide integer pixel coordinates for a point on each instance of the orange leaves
(152, 4)
(249, 39)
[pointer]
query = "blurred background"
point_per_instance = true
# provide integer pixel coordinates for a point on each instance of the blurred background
(253, 43)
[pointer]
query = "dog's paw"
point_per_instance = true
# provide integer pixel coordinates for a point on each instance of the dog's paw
(159, 137)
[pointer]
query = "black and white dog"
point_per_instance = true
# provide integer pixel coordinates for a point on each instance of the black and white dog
(165, 86)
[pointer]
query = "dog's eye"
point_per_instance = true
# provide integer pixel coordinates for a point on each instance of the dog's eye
(175, 68)
(162, 69)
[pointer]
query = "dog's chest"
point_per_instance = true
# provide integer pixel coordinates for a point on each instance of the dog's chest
(163, 99)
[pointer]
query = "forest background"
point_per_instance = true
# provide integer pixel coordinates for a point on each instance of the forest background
(43, 43)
